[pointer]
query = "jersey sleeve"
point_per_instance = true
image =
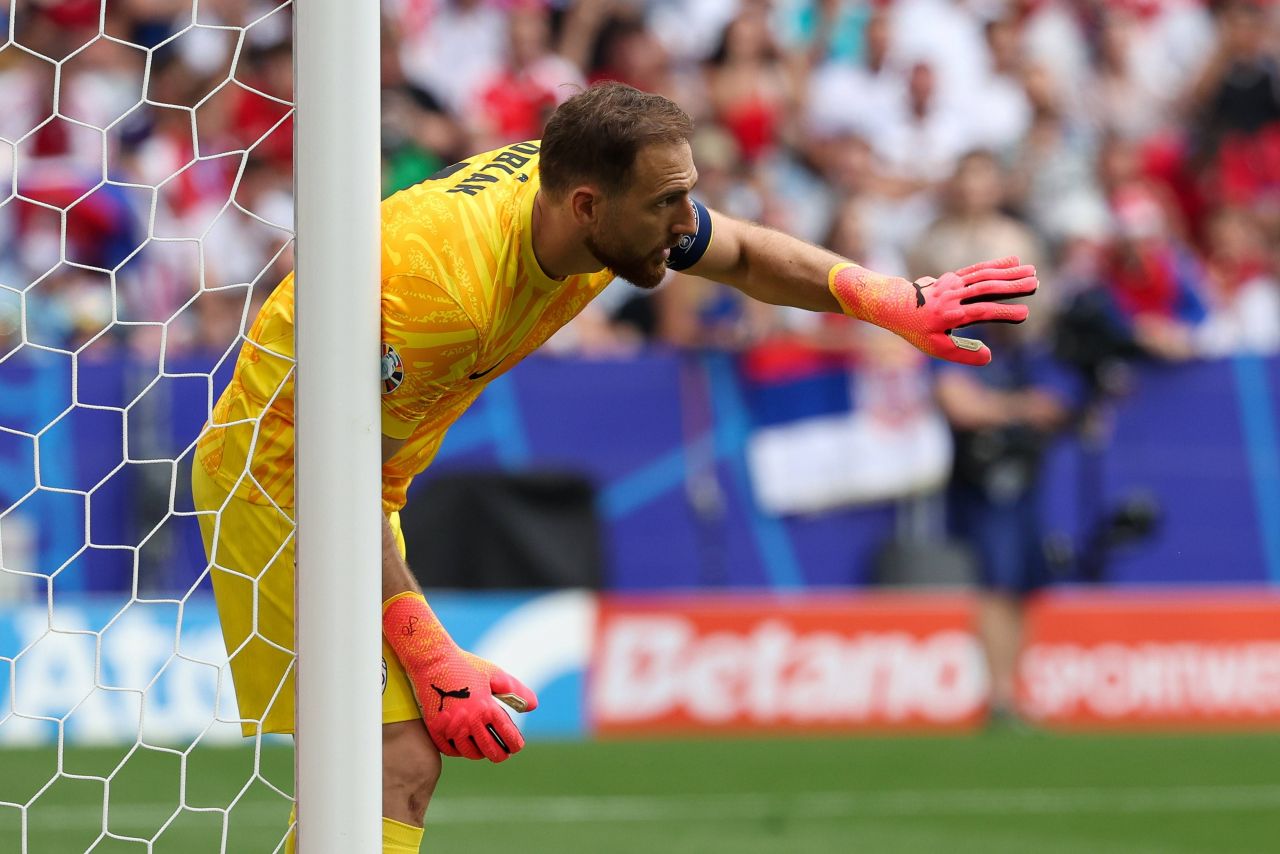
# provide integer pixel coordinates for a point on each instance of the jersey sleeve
(692, 246)
(429, 347)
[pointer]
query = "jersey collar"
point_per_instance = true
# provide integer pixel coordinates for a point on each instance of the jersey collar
(536, 276)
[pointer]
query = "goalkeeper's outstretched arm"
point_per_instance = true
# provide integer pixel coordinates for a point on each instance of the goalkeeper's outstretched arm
(776, 268)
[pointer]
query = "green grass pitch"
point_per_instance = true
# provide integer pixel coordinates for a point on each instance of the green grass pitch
(998, 792)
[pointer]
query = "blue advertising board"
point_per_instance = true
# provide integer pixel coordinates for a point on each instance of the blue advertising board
(670, 469)
(108, 670)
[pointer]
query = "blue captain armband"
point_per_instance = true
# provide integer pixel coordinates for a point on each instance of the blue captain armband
(692, 246)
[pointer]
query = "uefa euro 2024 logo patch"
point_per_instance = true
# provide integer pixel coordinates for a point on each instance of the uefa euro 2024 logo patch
(686, 241)
(392, 369)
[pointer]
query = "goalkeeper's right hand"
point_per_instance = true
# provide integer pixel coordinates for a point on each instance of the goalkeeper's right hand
(928, 311)
(457, 692)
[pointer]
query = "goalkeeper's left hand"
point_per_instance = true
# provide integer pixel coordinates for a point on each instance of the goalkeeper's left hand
(926, 312)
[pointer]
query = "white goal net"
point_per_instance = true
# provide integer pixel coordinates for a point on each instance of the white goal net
(145, 212)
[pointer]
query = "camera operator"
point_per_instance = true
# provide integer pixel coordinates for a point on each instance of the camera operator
(1003, 419)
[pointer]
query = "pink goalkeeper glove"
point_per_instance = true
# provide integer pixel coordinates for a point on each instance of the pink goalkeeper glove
(456, 690)
(925, 312)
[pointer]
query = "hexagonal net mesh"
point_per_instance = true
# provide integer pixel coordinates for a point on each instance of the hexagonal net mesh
(145, 213)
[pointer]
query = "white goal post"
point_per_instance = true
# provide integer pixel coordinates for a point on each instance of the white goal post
(338, 773)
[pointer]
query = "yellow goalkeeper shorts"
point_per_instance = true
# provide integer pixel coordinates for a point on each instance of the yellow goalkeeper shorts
(251, 550)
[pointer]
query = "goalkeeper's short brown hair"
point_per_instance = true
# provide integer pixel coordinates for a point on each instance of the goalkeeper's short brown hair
(594, 136)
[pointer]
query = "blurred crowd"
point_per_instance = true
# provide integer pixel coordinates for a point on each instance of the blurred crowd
(1131, 149)
(1128, 148)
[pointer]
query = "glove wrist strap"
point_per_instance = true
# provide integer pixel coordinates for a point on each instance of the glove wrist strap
(865, 294)
(840, 289)
(410, 626)
(408, 594)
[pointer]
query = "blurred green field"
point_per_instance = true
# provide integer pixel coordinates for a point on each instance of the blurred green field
(995, 792)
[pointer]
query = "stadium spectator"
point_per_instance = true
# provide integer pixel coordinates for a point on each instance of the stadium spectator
(1128, 94)
(948, 37)
(514, 103)
(853, 234)
(1053, 183)
(1243, 294)
(689, 30)
(1236, 103)
(1153, 280)
(817, 31)
(849, 97)
(627, 50)
(752, 91)
(921, 140)
(917, 147)
(1054, 33)
(449, 46)
(972, 221)
(419, 135)
(1001, 109)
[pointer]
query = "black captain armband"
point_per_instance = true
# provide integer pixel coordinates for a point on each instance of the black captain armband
(692, 246)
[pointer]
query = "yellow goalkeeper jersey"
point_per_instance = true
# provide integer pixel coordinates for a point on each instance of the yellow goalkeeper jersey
(463, 300)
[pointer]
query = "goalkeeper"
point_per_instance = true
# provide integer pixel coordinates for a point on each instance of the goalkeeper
(481, 263)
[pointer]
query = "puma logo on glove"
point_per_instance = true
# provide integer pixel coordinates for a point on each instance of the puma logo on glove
(460, 694)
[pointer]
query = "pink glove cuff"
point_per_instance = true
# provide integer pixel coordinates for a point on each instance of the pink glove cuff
(412, 628)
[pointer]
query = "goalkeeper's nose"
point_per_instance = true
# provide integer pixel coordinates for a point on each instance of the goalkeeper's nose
(688, 222)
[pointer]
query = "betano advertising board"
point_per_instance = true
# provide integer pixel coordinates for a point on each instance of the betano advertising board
(887, 661)
(697, 664)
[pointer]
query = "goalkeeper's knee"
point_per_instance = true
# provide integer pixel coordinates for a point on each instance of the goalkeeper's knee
(410, 767)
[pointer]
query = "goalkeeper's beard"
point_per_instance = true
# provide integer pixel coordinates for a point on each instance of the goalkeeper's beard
(643, 271)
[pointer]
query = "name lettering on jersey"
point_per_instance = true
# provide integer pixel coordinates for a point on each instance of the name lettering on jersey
(510, 161)
(472, 189)
(448, 170)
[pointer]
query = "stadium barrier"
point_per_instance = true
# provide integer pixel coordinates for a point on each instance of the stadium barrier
(885, 661)
(1175, 658)
(610, 666)
(674, 486)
